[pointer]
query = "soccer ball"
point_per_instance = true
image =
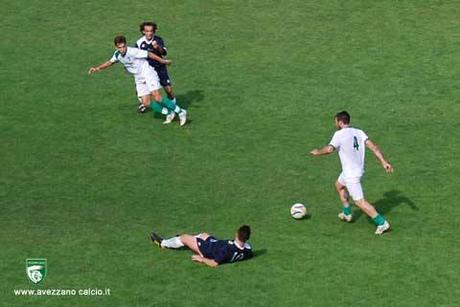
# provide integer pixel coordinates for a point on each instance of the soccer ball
(298, 211)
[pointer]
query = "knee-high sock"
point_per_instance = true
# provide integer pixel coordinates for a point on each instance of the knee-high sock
(346, 209)
(173, 242)
(171, 105)
(379, 220)
(155, 106)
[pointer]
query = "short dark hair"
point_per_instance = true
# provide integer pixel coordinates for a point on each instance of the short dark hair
(343, 117)
(244, 232)
(149, 24)
(119, 39)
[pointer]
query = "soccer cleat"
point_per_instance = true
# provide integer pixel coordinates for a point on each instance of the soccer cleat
(142, 108)
(156, 239)
(183, 117)
(169, 118)
(346, 218)
(382, 228)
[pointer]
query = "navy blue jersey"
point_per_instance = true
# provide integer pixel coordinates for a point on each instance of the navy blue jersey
(144, 44)
(223, 251)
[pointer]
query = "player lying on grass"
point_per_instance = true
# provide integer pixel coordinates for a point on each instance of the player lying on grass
(350, 144)
(145, 78)
(208, 249)
(155, 44)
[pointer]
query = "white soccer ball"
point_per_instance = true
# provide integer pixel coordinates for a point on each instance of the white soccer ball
(298, 211)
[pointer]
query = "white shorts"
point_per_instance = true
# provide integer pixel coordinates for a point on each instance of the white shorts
(147, 82)
(353, 185)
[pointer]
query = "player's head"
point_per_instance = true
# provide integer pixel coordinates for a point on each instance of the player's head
(342, 119)
(243, 233)
(120, 43)
(148, 28)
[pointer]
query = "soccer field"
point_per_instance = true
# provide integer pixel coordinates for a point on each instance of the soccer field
(84, 178)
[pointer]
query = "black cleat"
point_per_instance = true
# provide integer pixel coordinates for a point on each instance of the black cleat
(142, 109)
(156, 239)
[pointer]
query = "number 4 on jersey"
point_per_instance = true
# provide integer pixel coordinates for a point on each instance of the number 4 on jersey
(355, 143)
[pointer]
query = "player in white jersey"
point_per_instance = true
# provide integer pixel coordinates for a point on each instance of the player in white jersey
(145, 77)
(350, 144)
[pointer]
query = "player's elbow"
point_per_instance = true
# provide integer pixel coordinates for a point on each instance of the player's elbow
(371, 145)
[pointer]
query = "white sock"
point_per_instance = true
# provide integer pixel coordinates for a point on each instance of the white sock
(173, 242)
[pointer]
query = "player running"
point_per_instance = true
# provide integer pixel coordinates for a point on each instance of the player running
(155, 44)
(145, 78)
(208, 249)
(349, 143)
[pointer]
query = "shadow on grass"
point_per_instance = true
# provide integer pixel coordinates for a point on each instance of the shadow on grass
(259, 252)
(390, 200)
(187, 99)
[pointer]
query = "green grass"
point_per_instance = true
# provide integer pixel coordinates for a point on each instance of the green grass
(84, 178)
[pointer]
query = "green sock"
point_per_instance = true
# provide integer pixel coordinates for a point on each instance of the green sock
(171, 105)
(155, 106)
(379, 220)
(346, 210)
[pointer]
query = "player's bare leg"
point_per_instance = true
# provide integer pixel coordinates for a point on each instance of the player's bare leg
(156, 96)
(191, 243)
(145, 101)
(169, 91)
(180, 241)
(345, 215)
(366, 207)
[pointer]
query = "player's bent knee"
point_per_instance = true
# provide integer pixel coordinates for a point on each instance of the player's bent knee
(185, 238)
(156, 96)
(203, 235)
(339, 186)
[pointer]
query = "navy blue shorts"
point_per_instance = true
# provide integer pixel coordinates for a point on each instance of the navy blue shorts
(205, 246)
(164, 77)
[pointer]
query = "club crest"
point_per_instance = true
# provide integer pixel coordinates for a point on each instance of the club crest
(36, 269)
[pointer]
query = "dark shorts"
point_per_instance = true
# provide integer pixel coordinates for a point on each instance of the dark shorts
(205, 246)
(163, 75)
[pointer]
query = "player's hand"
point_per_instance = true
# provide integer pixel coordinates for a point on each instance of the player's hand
(197, 258)
(166, 62)
(315, 152)
(387, 167)
(92, 70)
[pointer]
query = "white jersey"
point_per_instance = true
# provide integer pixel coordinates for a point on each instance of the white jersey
(350, 144)
(135, 60)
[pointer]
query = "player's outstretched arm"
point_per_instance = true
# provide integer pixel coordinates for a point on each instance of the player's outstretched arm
(379, 155)
(100, 67)
(155, 57)
(208, 262)
(323, 151)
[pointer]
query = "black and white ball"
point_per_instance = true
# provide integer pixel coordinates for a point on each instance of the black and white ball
(298, 211)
